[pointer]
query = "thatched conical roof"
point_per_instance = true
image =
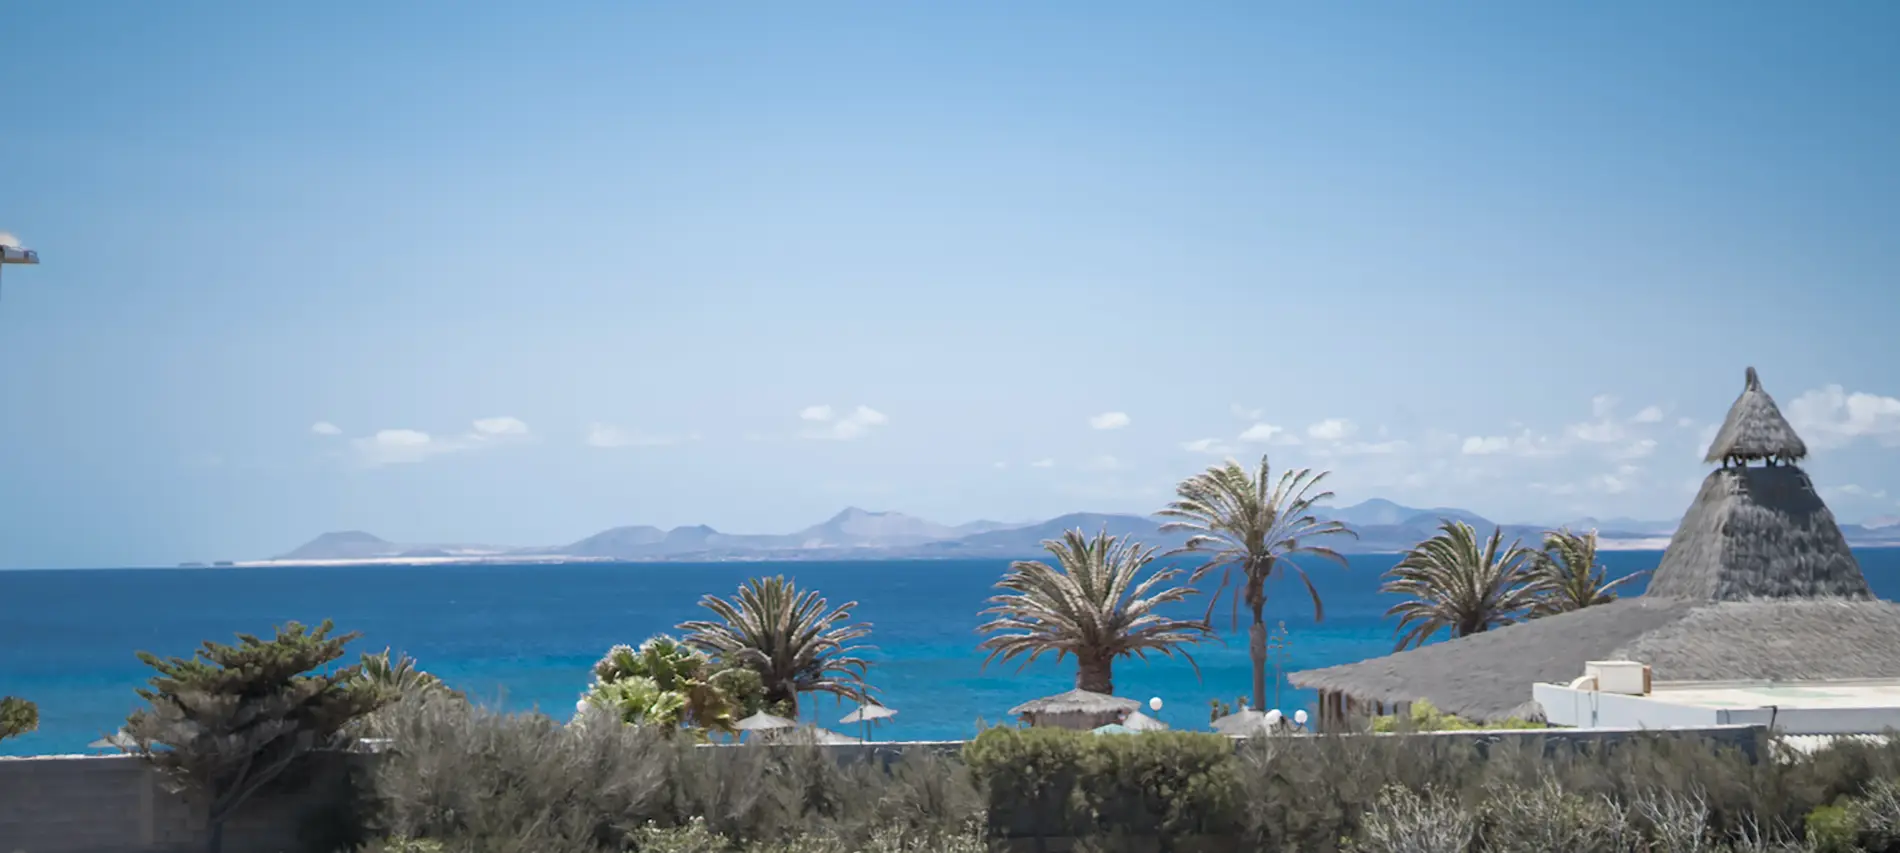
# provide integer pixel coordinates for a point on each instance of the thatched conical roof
(1758, 533)
(1757, 584)
(1755, 429)
(1076, 702)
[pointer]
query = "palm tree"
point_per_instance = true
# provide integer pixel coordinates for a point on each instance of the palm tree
(1455, 583)
(791, 638)
(710, 697)
(1567, 575)
(1092, 604)
(398, 676)
(1249, 525)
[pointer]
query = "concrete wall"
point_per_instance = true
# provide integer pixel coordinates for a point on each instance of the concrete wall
(117, 804)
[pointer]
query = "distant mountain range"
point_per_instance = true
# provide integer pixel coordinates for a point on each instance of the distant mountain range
(1383, 527)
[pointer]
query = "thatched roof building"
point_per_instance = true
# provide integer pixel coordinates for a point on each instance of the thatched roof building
(1757, 584)
(1082, 710)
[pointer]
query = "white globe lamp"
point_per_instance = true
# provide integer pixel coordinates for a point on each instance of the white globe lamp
(1299, 717)
(1273, 718)
(1154, 704)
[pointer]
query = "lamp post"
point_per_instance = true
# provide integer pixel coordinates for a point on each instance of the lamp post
(16, 255)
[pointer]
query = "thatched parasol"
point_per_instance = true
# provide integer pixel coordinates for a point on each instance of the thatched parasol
(1076, 709)
(763, 722)
(868, 714)
(1247, 722)
(1137, 721)
(1757, 584)
(1113, 729)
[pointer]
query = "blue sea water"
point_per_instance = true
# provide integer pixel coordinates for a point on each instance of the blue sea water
(525, 636)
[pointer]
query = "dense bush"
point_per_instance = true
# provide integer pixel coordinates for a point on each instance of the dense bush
(473, 780)
(17, 717)
(463, 780)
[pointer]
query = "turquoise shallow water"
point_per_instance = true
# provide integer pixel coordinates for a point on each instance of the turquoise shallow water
(522, 636)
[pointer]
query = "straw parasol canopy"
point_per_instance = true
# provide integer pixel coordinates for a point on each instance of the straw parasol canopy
(763, 722)
(1137, 721)
(1755, 430)
(1076, 709)
(1244, 722)
(1113, 729)
(870, 713)
(1757, 584)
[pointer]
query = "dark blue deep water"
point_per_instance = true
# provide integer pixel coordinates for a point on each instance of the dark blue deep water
(525, 636)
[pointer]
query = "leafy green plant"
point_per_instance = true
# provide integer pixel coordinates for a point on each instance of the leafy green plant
(232, 719)
(1833, 829)
(17, 717)
(1423, 716)
(668, 684)
(793, 639)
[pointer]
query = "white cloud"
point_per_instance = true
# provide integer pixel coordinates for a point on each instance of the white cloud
(1043, 463)
(1686, 423)
(829, 425)
(1109, 420)
(1001, 465)
(1832, 417)
(326, 428)
(1617, 483)
(8, 239)
(1602, 405)
(1266, 433)
(1526, 443)
(1596, 432)
(610, 436)
(1374, 448)
(397, 446)
(1855, 491)
(1332, 429)
(1635, 450)
(1212, 446)
(1649, 415)
(1246, 414)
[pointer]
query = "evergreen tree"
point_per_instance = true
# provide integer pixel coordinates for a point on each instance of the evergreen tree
(230, 720)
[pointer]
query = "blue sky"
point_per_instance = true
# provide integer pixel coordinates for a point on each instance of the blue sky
(407, 268)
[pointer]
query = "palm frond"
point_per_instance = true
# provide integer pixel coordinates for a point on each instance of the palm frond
(1453, 582)
(792, 638)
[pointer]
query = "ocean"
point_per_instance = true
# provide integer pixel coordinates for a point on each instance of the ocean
(520, 637)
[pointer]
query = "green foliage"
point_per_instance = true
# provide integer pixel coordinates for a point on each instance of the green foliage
(1423, 716)
(1253, 530)
(476, 780)
(1833, 829)
(232, 719)
(17, 717)
(792, 638)
(1093, 604)
(1453, 582)
(667, 684)
(1566, 576)
(1044, 781)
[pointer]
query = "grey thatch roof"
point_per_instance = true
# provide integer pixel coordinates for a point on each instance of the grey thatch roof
(1757, 583)
(1137, 721)
(1076, 702)
(1489, 676)
(1758, 533)
(1755, 429)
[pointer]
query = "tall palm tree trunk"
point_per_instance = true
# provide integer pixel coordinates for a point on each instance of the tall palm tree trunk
(1095, 674)
(1257, 649)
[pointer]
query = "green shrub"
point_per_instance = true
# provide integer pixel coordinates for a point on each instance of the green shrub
(1030, 778)
(1833, 829)
(475, 780)
(1423, 716)
(1044, 782)
(17, 717)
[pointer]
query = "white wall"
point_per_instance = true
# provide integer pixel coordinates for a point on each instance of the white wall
(1564, 706)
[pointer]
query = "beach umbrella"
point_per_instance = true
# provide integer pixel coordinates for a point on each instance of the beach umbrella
(763, 722)
(1140, 722)
(868, 713)
(116, 740)
(1248, 722)
(1113, 729)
